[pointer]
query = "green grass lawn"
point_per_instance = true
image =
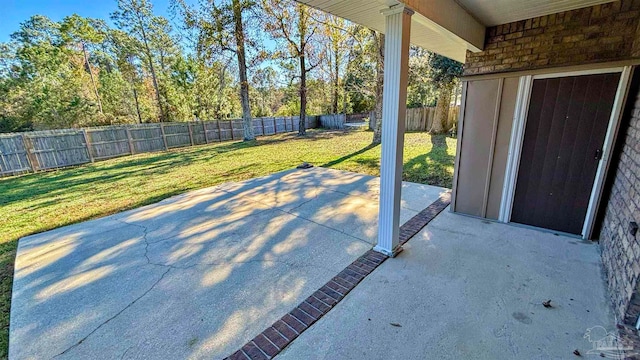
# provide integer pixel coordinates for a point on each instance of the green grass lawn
(38, 202)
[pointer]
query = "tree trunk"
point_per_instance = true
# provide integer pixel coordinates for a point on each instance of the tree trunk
(135, 97)
(153, 75)
(93, 81)
(247, 124)
(303, 96)
(222, 85)
(440, 120)
(166, 105)
(302, 28)
(336, 79)
(377, 130)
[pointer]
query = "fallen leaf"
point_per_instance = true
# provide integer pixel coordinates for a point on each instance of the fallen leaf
(576, 352)
(396, 324)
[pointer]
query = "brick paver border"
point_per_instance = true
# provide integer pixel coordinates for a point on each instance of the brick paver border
(278, 336)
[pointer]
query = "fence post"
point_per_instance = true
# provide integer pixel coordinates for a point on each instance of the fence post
(4, 162)
(204, 128)
(164, 137)
(219, 130)
(275, 128)
(262, 122)
(231, 127)
(190, 132)
(87, 144)
(28, 147)
(132, 149)
(26, 150)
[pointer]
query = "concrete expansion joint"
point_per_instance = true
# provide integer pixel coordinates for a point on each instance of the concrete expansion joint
(315, 197)
(300, 217)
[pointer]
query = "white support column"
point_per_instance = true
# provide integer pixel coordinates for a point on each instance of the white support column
(394, 106)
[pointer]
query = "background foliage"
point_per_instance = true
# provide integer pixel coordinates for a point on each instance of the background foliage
(147, 68)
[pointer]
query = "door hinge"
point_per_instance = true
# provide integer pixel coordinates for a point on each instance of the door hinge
(598, 154)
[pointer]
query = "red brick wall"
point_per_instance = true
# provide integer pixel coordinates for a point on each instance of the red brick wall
(621, 249)
(595, 34)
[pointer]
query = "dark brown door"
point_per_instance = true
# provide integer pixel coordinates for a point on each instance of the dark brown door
(564, 135)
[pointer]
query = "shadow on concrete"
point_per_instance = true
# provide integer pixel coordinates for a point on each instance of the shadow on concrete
(196, 275)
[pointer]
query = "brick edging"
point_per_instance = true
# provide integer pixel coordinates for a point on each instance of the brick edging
(280, 334)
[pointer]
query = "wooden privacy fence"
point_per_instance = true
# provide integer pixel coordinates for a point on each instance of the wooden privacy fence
(420, 119)
(355, 118)
(338, 121)
(43, 150)
(332, 121)
(13, 154)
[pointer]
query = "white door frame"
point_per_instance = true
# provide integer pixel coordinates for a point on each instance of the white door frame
(517, 139)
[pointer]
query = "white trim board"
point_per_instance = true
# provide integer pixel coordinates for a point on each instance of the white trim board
(607, 152)
(515, 148)
(456, 165)
(517, 139)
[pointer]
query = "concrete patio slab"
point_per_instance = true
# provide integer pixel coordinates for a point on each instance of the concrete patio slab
(466, 288)
(193, 276)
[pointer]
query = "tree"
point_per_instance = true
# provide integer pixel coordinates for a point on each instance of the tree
(124, 49)
(220, 26)
(85, 32)
(444, 72)
(421, 90)
(247, 123)
(359, 78)
(137, 19)
(336, 39)
(45, 78)
(379, 51)
(265, 88)
(292, 23)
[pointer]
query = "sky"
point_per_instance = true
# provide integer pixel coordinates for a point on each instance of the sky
(16, 11)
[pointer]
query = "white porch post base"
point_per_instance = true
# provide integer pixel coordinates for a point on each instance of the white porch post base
(393, 253)
(394, 99)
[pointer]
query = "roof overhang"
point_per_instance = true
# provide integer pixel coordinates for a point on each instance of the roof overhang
(441, 26)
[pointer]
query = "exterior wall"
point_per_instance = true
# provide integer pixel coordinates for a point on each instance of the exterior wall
(620, 249)
(600, 33)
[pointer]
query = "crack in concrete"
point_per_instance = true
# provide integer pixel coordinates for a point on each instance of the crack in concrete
(113, 317)
(145, 232)
(125, 352)
(194, 227)
(216, 263)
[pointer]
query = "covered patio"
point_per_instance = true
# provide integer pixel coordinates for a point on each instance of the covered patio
(202, 274)
(464, 288)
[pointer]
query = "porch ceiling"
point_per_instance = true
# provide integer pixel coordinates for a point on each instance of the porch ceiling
(496, 12)
(448, 27)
